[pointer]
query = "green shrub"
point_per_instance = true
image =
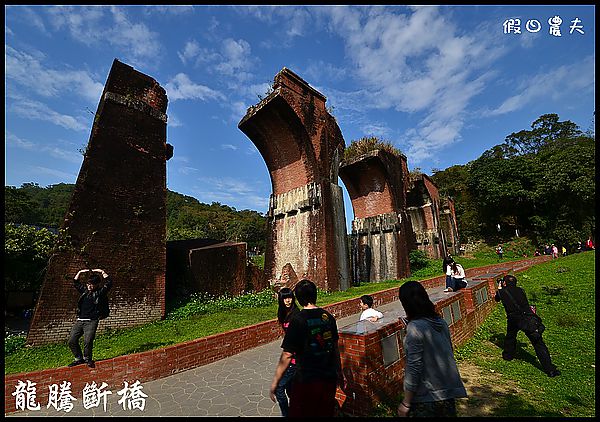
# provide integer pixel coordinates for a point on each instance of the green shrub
(418, 259)
(13, 342)
(202, 303)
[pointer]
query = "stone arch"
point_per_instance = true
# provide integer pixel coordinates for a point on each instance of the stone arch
(381, 231)
(423, 205)
(301, 144)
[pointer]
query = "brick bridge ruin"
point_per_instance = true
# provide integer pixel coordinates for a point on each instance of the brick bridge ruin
(302, 145)
(381, 231)
(117, 216)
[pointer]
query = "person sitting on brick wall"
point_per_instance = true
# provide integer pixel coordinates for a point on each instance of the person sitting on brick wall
(92, 306)
(368, 313)
(457, 278)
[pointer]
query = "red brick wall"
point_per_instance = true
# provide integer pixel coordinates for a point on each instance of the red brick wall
(155, 364)
(219, 269)
(117, 216)
(301, 144)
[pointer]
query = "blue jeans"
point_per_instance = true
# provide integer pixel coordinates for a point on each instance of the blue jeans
(87, 329)
(455, 283)
(285, 385)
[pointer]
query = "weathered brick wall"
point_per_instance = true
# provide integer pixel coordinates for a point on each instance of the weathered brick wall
(210, 266)
(159, 363)
(423, 206)
(449, 226)
(219, 269)
(117, 218)
(381, 230)
(301, 144)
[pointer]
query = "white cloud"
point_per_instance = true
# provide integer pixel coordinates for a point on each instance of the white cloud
(28, 70)
(229, 146)
(32, 18)
(173, 121)
(99, 25)
(53, 151)
(415, 62)
(236, 58)
(562, 82)
(34, 110)
(190, 50)
(182, 88)
(61, 176)
(231, 191)
(175, 10)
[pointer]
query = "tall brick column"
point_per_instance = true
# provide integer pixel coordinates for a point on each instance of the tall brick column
(117, 216)
(449, 226)
(301, 144)
(423, 206)
(382, 235)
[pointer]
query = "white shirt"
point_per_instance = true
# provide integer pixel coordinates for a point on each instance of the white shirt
(460, 273)
(370, 312)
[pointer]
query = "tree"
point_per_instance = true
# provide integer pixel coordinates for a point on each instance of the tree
(26, 253)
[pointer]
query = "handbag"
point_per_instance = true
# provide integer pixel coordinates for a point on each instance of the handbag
(530, 321)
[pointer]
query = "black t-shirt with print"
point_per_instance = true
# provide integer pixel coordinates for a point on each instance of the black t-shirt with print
(312, 335)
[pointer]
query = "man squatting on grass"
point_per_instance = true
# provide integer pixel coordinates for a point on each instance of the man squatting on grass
(313, 337)
(92, 306)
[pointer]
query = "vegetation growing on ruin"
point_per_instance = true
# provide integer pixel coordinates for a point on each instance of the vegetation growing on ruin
(368, 144)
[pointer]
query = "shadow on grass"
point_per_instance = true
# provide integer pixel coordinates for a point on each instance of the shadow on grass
(487, 401)
(520, 353)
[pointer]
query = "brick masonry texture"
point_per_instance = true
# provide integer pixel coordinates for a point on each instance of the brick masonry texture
(117, 216)
(301, 144)
(155, 364)
(377, 183)
(423, 202)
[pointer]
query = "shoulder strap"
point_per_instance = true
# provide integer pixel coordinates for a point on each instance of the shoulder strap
(514, 301)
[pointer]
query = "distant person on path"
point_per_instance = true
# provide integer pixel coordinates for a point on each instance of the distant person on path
(589, 244)
(520, 317)
(499, 251)
(554, 251)
(431, 378)
(547, 250)
(312, 337)
(564, 251)
(287, 309)
(457, 278)
(368, 313)
(92, 306)
(578, 247)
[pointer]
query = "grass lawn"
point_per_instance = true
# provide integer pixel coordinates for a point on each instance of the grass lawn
(564, 292)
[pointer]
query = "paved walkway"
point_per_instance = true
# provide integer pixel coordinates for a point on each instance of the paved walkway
(233, 386)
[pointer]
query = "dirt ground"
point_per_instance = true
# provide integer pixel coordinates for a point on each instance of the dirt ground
(484, 389)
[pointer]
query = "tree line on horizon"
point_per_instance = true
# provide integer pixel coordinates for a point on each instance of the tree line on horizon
(538, 183)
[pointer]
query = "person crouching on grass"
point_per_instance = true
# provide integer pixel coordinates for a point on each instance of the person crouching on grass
(92, 306)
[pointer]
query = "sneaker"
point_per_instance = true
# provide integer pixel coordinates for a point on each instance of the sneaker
(90, 363)
(554, 373)
(448, 290)
(76, 362)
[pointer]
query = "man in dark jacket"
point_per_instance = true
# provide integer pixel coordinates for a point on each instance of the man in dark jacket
(518, 313)
(92, 306)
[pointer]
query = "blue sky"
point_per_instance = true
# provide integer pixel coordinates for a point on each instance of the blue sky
(443, 84)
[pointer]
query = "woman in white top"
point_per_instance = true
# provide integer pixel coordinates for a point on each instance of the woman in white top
(457, 278)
